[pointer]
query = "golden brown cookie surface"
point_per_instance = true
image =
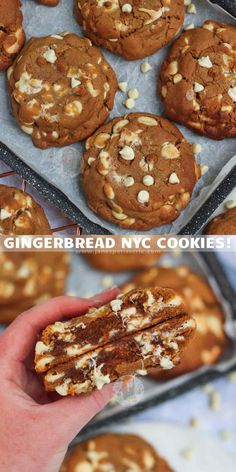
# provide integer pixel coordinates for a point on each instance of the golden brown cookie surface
(12, 36)
(49, 3)
(27, 279)
(20, 214)
(198, 80)
(224, 223)
(55, 87)
(114, 453)
(121, 262)
(133, 28)
(210, 340)
(138, 171)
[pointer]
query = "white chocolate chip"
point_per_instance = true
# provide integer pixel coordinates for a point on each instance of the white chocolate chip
(75, 82)
(191, 9)
(195, 422)
(73, 108)
(173, 68)
(174, 179)
(148, 180)
(204, 169)
(91, 160)
(129, 181)
(107, 281)
(123, 86)
(187, 2)
(205, 62)
(187, 454)
(189, 27)
(230, 204)
(170, 151)
(232, 93)
(133, 93)
(147, 120)
(145, 67)
(116, 304)
(127, 153)
(127, 8)
(197, 148)
(198, 87)
(226, 435)
(129, 103)
(177, 78)
(166, 363)
(50, 56)
(143, 196)
(4, 214)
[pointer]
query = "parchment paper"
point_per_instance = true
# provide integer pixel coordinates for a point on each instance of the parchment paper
(61, 166)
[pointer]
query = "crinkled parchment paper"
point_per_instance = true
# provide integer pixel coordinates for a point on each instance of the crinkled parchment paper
(61, 166)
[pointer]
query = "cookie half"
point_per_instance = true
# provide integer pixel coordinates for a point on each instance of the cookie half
(20, 214)
(142, 329)
(224, 223)
(56, 85)
(112, 262)
(138, 171)
(27, 279)
(114, 452)
(198, 80)
(12, 36)
(133, 29)
(210, 340)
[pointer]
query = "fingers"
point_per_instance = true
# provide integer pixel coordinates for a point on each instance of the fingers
(75, 412)
(19, 339)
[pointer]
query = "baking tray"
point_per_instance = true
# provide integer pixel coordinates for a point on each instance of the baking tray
(206, 264)
(44, 171)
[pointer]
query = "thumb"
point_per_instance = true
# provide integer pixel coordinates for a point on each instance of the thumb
(73, 413)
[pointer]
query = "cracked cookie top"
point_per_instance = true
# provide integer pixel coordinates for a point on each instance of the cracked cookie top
(12, 36)
(55, 86)
(138, 171)
(198, 80)
(133, 28)
(20, 214)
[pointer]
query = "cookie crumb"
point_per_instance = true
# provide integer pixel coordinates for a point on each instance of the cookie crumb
(187, 453)
(204, 169)
(123, 86)
(145, 67)
(129, 103)
(189, 27)
(231, 377)
(207, 388)
(107, 281)
(187, 2)
(228, 205)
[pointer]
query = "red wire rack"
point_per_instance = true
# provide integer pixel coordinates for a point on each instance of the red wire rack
(77, 228)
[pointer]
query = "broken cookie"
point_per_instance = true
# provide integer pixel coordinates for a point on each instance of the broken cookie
(141, 329)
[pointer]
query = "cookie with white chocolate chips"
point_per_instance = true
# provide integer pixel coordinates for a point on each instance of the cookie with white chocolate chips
(113, 262)
(224, 223)
(141, 329)
(61, 89)
(20, 214)
(198, 80)
(134, 28)
(27, 279)
(12, 36)
(114, 453)
(138, 171)
(210, 340)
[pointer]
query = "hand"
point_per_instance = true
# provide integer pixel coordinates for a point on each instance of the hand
(35, 427)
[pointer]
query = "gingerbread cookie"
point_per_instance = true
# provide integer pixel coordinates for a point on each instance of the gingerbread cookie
(56, 85)
(49, 3)
(138, 171)
(27, 279)
(142, 329)
(133, 29)
(12, 36)
(210, 340)
(112, 262)
(114, 453)
(20, 214)
(224, 223)
(198, 80)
